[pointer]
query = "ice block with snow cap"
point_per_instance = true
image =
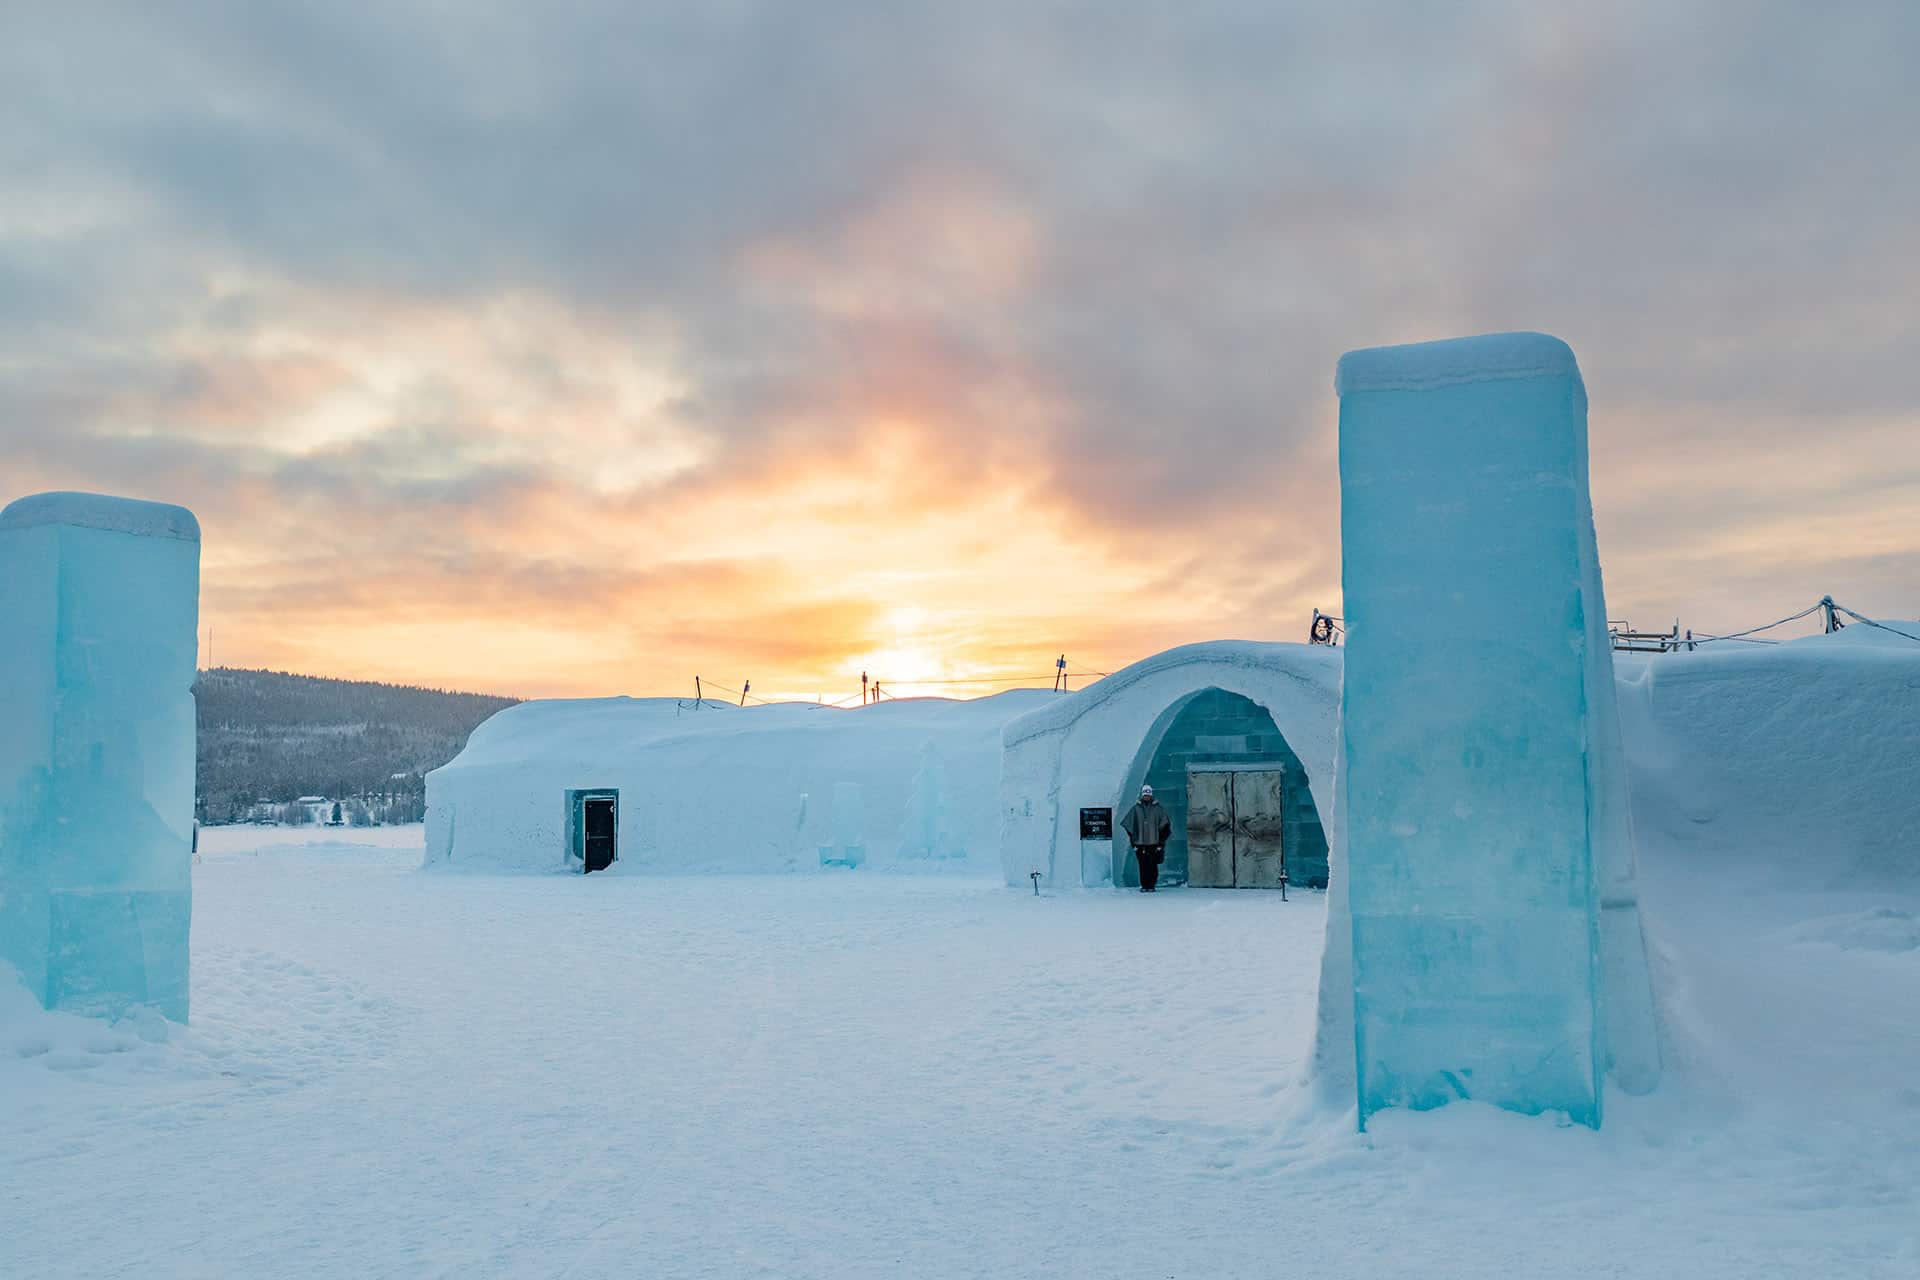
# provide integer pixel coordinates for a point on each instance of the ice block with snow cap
(99, 610)
(1481, 781)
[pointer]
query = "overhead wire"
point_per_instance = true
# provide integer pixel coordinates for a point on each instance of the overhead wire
(753, 697)
(882, 689)
(1751, 634)
(1740, 635)
(969, 680)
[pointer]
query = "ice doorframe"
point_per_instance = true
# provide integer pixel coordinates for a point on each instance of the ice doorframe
(1297, 781)
(577, 801)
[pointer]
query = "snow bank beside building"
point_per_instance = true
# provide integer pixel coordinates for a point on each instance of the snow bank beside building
(1795, 759)
(721, 788)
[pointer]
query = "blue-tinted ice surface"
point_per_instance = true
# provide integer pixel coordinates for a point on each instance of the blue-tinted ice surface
(1475, 811)
(849, 848)
(99, 601)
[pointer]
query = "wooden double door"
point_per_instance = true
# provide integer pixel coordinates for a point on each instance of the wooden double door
(1235, 827)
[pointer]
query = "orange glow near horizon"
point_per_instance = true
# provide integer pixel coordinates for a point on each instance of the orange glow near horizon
(798, 577)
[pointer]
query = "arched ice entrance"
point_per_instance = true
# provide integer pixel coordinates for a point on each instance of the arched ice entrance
(1211, 731)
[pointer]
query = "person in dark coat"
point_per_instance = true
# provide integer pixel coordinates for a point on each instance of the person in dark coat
(1148, 826)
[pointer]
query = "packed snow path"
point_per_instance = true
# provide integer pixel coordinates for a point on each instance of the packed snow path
(402, 1074)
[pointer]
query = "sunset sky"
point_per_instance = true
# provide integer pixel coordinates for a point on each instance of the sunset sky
(578, 349)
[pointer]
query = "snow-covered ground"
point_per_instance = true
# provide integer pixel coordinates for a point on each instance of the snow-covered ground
(243, 840)
(400, 1074)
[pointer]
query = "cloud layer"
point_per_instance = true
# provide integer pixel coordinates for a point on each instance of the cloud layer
(589, 347)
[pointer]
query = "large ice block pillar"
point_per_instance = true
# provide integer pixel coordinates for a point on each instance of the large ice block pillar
(99, 610)
(1482, 782)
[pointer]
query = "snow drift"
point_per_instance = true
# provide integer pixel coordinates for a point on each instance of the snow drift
(1793, 759)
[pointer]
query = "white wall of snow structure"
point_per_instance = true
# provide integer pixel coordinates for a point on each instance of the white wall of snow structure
(1093, 748)
(724, 788)
(1810, 745)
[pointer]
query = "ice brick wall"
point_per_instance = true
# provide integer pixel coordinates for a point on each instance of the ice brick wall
(99, 602)
(1482, 787)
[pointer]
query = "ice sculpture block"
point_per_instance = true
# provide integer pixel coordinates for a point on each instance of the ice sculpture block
(1482, 783)
(849, 820)
(99, 610)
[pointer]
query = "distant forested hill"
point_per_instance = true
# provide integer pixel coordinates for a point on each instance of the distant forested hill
(273, 736)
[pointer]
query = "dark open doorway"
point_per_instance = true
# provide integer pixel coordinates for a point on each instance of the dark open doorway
(594, 828)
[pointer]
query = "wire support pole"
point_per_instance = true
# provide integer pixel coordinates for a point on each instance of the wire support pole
(1863, 618)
